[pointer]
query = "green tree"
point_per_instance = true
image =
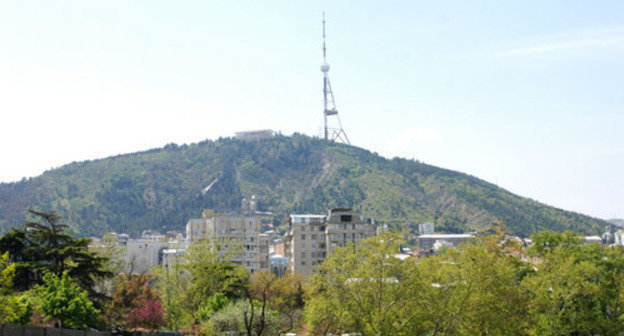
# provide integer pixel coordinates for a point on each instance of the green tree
(44, 246)
(229, 320)
(203, 271)
(274, 304)
(578, 290)
(473, 290)
(67, 303)
(13, 308)
(545, 241)
(365, 289)
(210, 307)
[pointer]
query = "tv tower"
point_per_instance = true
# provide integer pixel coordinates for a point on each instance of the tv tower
(329, 104)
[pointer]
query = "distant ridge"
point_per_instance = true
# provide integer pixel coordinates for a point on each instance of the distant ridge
(617, 221)
(162, 188)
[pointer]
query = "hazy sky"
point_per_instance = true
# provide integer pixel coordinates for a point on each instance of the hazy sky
(528, 95)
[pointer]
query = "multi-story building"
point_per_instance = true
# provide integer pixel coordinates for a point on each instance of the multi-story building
(242, 229)
(311, 238)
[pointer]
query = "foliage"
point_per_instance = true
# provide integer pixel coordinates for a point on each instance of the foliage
(65, 302)
(7, 272)
(545, 242)
(365, 289)
(285, 296)
(43, 246)
(228, 319)
(210, 307)
(14, 309)
(471, 290)
(274, 304)
(201, 273)
(150, 314)
(577, 290)
(163, 188)
(134, 304)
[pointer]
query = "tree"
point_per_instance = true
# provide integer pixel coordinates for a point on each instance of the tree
(134, 304)
(545, 242)
(286, 298)
(473, 290)
(202, 272)
(578, 290)
(256, 319)
(150, 314)
(43, 246)
(274, 304)
(13, 309)
(470, 290)
(66, 302)
(228, 320)
(210, 307)
(365, 289)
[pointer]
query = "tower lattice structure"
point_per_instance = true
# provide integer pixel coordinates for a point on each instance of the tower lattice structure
(335, 131)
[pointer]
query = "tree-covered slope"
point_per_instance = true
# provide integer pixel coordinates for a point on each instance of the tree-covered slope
(162, 188)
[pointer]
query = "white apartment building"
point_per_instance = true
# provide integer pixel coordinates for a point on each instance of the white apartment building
(311, 238)
(244, 229)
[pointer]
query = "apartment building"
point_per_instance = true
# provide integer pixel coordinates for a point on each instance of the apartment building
(241, 229)
(311, 238)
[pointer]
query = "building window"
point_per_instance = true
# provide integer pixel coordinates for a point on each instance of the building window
(303, 254)
(321, 228)
(303, 263)
(346, 218)
(313, 237)
(303, 237)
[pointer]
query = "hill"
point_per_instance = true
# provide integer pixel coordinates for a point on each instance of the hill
(617, 222)
(162, 188)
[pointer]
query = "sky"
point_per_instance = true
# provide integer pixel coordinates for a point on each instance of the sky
(524, 94)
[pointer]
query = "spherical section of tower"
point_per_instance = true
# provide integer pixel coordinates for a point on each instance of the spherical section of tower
(325, 67)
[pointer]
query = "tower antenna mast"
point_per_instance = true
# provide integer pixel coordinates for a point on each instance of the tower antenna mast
(329, 103)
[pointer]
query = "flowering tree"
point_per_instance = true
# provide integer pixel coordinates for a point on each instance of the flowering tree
(150, 315)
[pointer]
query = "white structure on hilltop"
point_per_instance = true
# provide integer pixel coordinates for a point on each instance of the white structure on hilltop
(255, 135)
(243, 229)
(311, 238)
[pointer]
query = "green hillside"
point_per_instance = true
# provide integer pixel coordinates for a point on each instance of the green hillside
(162, 188)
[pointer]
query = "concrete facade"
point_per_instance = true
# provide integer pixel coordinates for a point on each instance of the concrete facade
(244, 229)
(311, 238)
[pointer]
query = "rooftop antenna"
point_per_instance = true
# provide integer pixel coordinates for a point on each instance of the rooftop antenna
(329, 104)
